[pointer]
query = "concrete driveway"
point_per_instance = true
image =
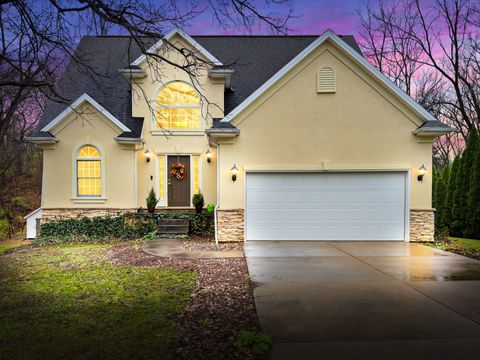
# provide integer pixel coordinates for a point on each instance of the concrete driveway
(365, 300)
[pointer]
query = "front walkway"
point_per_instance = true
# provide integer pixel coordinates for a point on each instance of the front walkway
(176, 249)
(366, 300)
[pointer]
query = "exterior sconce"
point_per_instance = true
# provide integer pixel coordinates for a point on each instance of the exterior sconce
(208, 154)
(148, 156)
(234, 171)
(421, 172)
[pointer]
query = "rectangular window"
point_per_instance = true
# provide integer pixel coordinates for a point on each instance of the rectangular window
(161, 167)
(89, 179)
(178, 118)
(195, 175)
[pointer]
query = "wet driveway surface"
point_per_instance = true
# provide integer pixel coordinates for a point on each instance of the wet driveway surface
(366, 300)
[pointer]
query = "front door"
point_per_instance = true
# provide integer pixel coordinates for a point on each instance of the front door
(179, 181)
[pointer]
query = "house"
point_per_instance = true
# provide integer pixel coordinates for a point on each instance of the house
(292, 138)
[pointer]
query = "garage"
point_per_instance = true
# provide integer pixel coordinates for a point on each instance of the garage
(326, 206)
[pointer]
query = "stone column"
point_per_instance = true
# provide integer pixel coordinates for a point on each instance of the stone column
(230, 225)
(422, 224)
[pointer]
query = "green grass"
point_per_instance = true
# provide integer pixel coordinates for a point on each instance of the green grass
(467, 247)
(10, 244)
(69, 302)
(469, 244)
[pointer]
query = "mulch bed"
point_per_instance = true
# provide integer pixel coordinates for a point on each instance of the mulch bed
(199, 243)
(449, 245)
(220, 308)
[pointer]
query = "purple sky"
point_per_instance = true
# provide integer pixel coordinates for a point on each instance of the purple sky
(313, 17)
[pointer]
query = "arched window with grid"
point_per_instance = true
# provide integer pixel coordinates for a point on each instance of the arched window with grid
(178, 107)
(89, 171)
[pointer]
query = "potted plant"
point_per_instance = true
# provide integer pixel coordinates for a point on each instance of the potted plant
(152, 201)
(198, 202)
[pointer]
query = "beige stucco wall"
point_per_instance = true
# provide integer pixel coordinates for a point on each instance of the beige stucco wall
(125, 166)
(87, 126)
(144, 92)
(361, 126)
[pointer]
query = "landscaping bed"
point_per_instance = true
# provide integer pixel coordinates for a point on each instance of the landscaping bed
(203, 243)
(221, 311)
(466, 247)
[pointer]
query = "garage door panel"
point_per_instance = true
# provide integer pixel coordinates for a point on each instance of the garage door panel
(325, 206)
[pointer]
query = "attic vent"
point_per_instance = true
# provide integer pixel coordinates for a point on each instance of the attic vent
(326, 80)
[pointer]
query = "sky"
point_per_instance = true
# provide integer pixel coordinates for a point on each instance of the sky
(311, 17)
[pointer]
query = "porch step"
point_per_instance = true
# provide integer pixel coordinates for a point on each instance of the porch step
(173, 226)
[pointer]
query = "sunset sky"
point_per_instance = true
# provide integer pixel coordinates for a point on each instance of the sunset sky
(312, 17)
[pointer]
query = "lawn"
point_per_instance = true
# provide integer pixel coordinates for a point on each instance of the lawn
(467, 247)
(70, 302)
(10, 244)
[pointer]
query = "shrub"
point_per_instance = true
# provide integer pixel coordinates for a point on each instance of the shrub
(4, 228)
(253, 342)
(198, 201)
(152, 201)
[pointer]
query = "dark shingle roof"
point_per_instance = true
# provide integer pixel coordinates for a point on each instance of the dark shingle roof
(434, 125)
(254, 58)
(217, 124)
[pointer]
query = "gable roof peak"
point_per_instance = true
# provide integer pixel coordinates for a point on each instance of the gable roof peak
(337, 41)
(172, 33)
(78, 102)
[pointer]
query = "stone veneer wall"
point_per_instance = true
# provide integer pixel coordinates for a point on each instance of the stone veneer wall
(230, 225)
(63, 214)
(422, 224)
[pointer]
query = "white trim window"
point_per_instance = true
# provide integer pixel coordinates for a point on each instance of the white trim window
(178, 107)
(88, 168)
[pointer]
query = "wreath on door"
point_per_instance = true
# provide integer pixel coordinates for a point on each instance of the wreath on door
(178, 171)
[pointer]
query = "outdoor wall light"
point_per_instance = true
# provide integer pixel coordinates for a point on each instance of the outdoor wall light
(208, 154)
(421, 172)
(148, 155)
(234, 171)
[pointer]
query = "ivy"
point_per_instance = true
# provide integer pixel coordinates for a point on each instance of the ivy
(125, 227)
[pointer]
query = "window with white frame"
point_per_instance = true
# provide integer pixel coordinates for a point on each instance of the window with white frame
(88, 164)
(178, 106)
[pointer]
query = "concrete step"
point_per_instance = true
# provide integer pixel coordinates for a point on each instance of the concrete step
(173, 226)
(185, 222)
(172, 229)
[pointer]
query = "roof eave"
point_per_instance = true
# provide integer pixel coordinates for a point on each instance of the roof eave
(432, 132)
(125, 140)
(225, 74)
(223, 132)
(42, 140)
(132, 74)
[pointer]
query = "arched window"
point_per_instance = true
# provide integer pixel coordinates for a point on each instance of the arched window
(89, 171)
(178, 107)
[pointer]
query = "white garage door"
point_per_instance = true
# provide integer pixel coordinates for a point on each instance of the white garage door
(325, 206)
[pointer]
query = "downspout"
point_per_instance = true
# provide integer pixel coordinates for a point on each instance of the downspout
(215, 216)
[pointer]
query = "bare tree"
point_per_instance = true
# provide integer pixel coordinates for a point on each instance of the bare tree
(38, 37)
(439, 57)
